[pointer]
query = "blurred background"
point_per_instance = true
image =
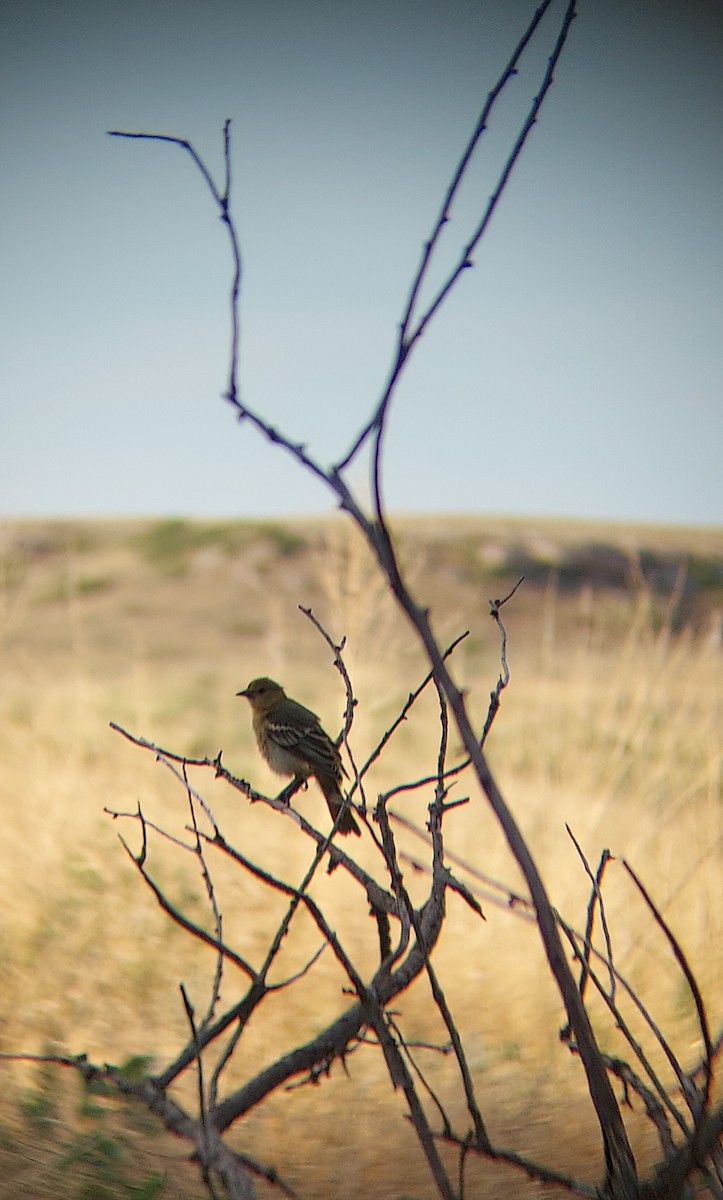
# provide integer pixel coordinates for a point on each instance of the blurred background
(577, 368)
(560, 420)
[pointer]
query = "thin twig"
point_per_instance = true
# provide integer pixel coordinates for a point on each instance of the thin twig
(697, 1100)
(204, 1148)
(221, 200)
(534, 1170)
(438, 889)
(464, 262)
(596, 899)
(405, 339)
(504, 679)
(217, 917)
(403, 714)
(406, 1048)
(343, 738)
(621, 1024)
(184, 922)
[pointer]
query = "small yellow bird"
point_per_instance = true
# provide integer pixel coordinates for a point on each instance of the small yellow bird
(292, 741)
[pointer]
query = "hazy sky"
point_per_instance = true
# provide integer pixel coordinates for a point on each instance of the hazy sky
(578, 369)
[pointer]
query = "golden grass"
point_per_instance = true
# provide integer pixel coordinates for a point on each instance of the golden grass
(611, 724)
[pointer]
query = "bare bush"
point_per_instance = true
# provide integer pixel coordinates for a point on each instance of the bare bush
(676, 1099)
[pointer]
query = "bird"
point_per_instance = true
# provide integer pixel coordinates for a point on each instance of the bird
(291, 739)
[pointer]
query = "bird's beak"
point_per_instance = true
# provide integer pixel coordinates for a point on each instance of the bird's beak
(243, 693)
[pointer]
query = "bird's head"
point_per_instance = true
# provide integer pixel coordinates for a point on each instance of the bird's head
(262, 694)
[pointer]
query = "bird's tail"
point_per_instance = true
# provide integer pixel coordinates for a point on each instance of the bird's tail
(336, 801)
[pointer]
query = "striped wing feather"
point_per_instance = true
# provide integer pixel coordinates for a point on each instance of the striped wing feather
(306, 737)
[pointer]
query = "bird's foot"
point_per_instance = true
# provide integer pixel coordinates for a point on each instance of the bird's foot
(291, 789)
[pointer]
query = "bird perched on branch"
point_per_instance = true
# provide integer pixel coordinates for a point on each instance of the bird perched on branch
(292, 741)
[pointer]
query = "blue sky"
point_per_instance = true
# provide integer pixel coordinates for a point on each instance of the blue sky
(578, 368)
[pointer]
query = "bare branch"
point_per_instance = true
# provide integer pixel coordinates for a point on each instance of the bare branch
(404, 713)
(696, 1100)
(336, 649)
(210, 892)
(596, 899)
(350, 701)
(204, 1149)
(504, 679)
(221, 200)
(405, 338)
(627, 1033)
(409, 339)
(438, 889)
(532, 1169)
(190, 926)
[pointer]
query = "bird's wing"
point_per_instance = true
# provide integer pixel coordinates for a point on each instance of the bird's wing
(301, 733)
(322, 753)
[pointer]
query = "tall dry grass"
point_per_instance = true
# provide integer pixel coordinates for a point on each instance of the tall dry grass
(611, 724)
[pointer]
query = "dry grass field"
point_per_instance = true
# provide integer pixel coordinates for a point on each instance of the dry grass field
(611, 723)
